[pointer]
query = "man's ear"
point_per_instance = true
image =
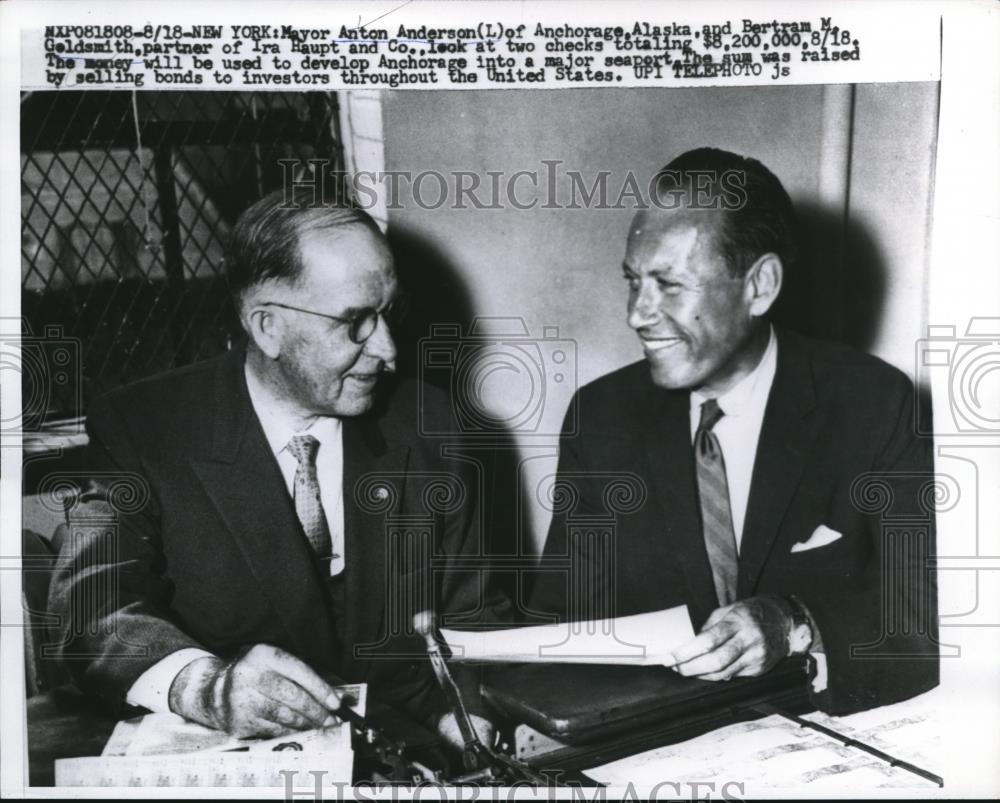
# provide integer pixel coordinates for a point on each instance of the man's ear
(763, 283)
(264, 328)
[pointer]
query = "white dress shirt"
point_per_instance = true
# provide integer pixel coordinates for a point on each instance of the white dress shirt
(738, 432)
(152, 688)
(279, 430)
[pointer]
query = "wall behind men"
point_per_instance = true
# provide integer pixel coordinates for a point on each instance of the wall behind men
(560, 267)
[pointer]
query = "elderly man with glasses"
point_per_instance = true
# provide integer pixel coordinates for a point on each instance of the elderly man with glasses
(286, 526)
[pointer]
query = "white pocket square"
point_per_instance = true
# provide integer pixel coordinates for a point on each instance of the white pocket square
(821, 536)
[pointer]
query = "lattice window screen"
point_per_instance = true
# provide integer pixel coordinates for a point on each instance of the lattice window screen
(126, 202)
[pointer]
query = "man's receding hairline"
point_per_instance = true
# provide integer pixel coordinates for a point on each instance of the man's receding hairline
(651, 221)
(709, 237)
(337, 229)
(375, 237)
(313, 224)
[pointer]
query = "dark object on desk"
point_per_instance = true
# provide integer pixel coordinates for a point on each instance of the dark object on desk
(483, 764)
(391, 747)
(605, 712)
(63, 723)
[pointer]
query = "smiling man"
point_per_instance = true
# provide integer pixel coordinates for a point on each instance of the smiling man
(754, 446)
(255, 571)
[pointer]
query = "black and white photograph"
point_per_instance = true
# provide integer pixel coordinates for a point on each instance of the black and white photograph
(493, 400)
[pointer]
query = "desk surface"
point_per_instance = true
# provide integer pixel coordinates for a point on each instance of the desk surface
(767, 754)
(773, 754)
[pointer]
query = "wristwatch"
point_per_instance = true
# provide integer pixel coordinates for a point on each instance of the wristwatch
(800, 634)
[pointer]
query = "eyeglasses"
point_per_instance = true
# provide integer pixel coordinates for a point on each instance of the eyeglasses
(362, 325)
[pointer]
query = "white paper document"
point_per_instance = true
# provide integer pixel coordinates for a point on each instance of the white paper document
(277, 770)
(163, 734)
(773, 753)
(166, 750)
(645, 639)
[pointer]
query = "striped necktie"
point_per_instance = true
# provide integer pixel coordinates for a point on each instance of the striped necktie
(308, 506)
(716, 515)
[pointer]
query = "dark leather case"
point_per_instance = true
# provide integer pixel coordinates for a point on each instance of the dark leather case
(578, 704)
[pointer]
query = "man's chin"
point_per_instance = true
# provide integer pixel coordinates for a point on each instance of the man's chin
(355, 404)
(669, 377)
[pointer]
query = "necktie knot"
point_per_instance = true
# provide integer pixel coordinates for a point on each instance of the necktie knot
(303, 449)
(710, 415)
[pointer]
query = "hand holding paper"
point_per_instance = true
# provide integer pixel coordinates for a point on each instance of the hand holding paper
(744, 639)
(644, 639)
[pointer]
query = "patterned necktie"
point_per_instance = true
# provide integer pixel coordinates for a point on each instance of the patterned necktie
(716, 515)
(308, 506)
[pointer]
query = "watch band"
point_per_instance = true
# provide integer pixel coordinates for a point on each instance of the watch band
(800, 633)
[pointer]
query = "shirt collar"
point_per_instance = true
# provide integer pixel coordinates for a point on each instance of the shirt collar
(279, 427)
(755, 385)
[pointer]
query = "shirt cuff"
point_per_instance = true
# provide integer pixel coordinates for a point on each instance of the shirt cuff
(152, 688)
(820, 676)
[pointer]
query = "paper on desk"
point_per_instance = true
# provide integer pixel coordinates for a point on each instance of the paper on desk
(643, 639)
(167, 750)
(275, 770)
(169, 734)
(163, 734)
(773, 753)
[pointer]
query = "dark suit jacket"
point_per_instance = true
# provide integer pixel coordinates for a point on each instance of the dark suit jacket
(837, 448)
(214, 555)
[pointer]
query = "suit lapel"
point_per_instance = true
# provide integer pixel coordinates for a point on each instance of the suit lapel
(368, 457)
(786, 435)
(666, 430)
(241, 476)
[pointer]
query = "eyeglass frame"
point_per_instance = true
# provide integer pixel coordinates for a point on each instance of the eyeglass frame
(354, 324)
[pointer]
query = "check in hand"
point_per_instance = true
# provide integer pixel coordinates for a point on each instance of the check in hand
(744, 639)
(264, 692)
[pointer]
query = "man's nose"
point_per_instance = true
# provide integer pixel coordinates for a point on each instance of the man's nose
(643, 308)
(381, 345)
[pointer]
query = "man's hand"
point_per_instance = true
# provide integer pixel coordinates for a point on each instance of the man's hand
(449, 731)
(744, 639)
(265, 692)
